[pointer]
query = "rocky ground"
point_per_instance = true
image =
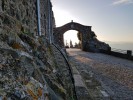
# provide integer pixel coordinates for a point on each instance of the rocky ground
(113, 75)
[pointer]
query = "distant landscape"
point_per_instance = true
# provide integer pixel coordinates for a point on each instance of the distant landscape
(121, 45)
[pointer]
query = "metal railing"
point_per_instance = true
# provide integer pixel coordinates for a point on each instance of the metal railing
(119, 50)
(69, 67)
(126, 54)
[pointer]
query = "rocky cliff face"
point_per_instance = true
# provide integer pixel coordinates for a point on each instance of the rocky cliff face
(30, 67)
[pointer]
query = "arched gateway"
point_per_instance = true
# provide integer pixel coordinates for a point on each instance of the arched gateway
(85, 31)
(87, 35)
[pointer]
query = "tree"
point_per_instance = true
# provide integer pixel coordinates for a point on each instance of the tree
(71, 45)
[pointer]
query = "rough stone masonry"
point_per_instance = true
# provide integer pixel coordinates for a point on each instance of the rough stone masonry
(29, 68)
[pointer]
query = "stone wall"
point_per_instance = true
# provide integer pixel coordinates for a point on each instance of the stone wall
(84, 30)
(44, 16)
(88, 39)
(30, 67)
(21, 16)
(18, 15)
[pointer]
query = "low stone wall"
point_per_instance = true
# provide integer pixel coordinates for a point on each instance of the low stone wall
(118, 54)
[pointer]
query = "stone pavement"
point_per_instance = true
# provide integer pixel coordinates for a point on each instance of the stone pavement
(101, 77)
(81, 89)
(87, 88)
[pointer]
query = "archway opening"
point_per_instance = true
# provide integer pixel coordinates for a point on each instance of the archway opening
(71, 39)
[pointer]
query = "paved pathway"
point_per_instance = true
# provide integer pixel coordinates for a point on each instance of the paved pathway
(100, 76)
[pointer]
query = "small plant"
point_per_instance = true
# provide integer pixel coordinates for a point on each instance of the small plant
(24, 31)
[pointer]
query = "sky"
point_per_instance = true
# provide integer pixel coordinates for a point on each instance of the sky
(111, 20)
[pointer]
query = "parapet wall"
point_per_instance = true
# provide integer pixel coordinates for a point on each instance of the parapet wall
(128, 55)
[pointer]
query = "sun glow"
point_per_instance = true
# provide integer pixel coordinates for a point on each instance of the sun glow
(71, 35)
(62, 17)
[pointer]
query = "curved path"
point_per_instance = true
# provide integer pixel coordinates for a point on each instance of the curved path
(113, 75)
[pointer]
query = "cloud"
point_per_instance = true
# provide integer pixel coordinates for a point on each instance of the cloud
(117, 2)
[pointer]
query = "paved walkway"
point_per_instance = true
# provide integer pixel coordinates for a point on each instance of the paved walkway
(101, 76)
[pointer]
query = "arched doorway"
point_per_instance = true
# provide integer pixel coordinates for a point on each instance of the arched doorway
(85, 33)
(88, 39)
(71, 39)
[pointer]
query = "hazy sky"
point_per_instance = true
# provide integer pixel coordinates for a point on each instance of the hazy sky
(111, 20)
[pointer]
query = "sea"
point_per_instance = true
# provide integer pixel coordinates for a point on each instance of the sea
(121, 45)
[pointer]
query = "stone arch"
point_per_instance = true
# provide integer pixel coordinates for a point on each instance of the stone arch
(85, 31)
